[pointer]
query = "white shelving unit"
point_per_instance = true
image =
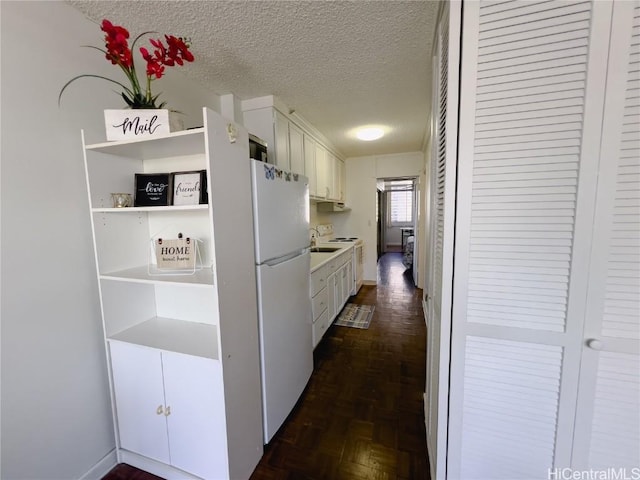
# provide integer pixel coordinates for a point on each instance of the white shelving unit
(201, 332)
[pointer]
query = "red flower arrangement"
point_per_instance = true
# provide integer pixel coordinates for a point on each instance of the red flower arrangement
(117, 51)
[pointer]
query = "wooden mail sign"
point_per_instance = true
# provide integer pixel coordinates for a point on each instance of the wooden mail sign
(136, 123)
(176, 254)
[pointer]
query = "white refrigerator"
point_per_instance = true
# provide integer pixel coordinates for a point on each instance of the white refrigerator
(281, 229)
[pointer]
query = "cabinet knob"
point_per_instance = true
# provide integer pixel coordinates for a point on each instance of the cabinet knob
(159, 410)
(594, 344)
(167, 411)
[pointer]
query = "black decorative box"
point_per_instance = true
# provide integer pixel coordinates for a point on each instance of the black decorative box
(153, 190)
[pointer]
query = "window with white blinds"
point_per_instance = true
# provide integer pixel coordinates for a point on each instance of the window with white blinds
(401, 207)
(401, 197)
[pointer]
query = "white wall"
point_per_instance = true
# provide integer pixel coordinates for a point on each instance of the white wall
(319, 218)
(56, 415)
(393, 236)
(362, 173)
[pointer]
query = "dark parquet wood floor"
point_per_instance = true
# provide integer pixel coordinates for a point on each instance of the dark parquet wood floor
(361, 415)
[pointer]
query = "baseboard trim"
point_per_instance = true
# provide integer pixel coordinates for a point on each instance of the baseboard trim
(369, 282)
(160, 469)
(425, 312)
(425, 406)
(101, 468)
(430, 459)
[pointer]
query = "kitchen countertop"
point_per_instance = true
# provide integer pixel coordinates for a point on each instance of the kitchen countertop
(318, 259)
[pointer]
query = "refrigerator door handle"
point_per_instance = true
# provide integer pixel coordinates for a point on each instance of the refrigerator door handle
(285, 258)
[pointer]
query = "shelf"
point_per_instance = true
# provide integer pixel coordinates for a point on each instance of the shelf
(168, 334)
(169, 208)
(203, 278)
(183, 143)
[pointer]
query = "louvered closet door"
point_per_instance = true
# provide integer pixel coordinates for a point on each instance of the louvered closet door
(442, 208)
(608, 416)
(532, 88)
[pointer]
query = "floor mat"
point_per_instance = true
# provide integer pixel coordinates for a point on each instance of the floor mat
(355, 316)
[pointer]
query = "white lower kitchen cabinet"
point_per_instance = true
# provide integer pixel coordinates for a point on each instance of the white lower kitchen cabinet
(319, 304)
(320, 326)
(347, 276)
(332, 300)
(167, 400)
(343, 271)
(331, 286)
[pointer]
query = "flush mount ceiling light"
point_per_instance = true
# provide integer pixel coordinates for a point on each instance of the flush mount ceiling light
(369, 133)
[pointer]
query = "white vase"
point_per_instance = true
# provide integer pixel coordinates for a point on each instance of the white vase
(176, 121)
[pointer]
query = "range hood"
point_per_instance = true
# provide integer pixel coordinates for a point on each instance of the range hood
(332, 207)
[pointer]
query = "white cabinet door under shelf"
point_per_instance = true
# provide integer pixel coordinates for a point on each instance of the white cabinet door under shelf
(166, 400)
(139, 396)
(193, 390)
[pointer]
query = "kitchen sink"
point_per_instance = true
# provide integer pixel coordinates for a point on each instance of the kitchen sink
(323, 249)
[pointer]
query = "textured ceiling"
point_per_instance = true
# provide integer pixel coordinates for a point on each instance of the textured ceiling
(339, 64)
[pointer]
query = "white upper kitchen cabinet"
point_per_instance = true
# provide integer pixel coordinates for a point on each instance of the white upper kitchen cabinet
(183, 351)
(310, 164)
(341, 182)
(296, 146)
(273, 127)
(296, 150)
(281, 141)
(322, 172)
(544, 360)
(335, 171)
(285, 147)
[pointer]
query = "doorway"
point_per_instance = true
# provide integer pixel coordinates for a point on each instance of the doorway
(396, 216)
